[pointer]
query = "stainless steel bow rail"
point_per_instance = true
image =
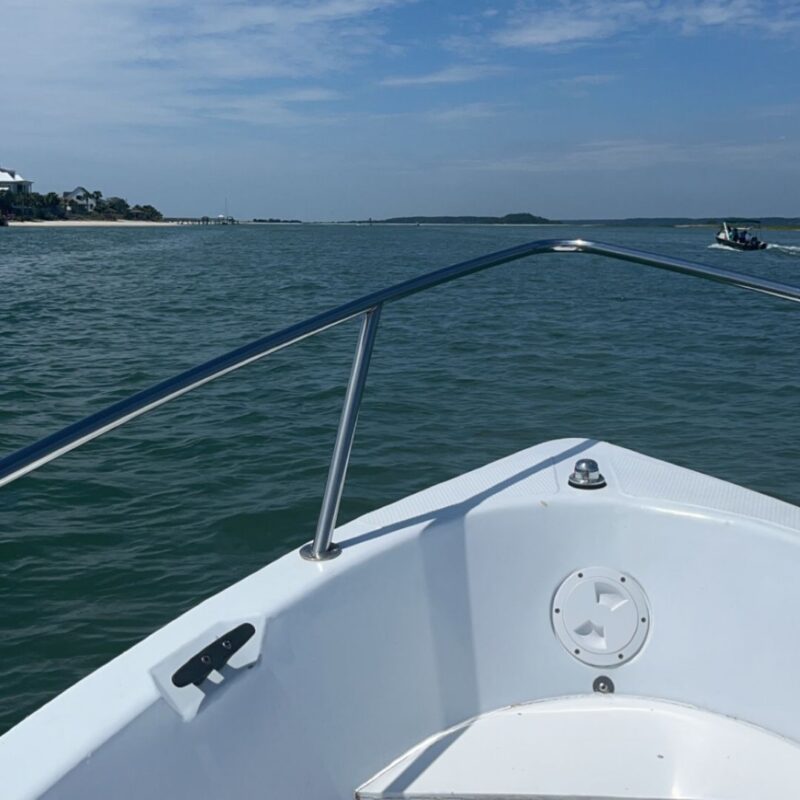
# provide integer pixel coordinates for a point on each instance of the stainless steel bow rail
(369, 309)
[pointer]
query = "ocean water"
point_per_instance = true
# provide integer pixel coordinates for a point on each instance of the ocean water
(110, 542)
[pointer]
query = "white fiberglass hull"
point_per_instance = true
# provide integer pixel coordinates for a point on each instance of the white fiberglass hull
(443, 608)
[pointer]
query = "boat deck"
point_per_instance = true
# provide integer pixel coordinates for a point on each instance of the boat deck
(601, 746)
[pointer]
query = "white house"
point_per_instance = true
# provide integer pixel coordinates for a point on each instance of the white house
(79, 199)
(12, 181)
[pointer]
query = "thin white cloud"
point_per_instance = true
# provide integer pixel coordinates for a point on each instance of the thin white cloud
(583, 85)
(635, 154)
(692, 16)
(778, 111)
(244, 17)
(537, 24)
(556, 28)
(308, 94)
(465, 113)
(546, 24)
(584, 81)
(463, 73)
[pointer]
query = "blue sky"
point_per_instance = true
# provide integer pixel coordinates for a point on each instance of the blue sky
(341, 109)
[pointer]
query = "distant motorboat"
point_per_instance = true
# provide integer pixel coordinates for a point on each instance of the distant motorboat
(741, 236)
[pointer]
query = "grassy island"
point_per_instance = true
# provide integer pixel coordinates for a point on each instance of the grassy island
(508, 219)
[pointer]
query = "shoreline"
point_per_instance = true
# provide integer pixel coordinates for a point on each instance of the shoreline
(130, 223)
(90, 223)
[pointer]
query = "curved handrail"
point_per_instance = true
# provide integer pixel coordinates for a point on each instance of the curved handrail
(79, 433)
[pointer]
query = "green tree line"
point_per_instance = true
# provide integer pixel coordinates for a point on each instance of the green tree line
(51, 206)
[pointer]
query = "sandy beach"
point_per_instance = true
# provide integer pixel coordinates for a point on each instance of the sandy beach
(91, 223)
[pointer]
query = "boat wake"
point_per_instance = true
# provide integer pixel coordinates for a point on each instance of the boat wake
(718, 246)
(790, 250)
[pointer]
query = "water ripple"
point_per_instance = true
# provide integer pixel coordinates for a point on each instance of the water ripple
(100, 548)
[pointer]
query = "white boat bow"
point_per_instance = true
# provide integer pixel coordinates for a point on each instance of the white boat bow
(443, 611)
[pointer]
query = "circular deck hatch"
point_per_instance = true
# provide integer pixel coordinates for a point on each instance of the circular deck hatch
(601, 616)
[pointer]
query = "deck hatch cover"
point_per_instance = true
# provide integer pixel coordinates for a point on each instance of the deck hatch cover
(601, 616)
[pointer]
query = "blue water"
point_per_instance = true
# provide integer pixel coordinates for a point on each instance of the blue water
(112, 541)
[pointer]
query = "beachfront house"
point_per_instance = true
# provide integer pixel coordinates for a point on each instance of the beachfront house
(80, 200)
(11, 181)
